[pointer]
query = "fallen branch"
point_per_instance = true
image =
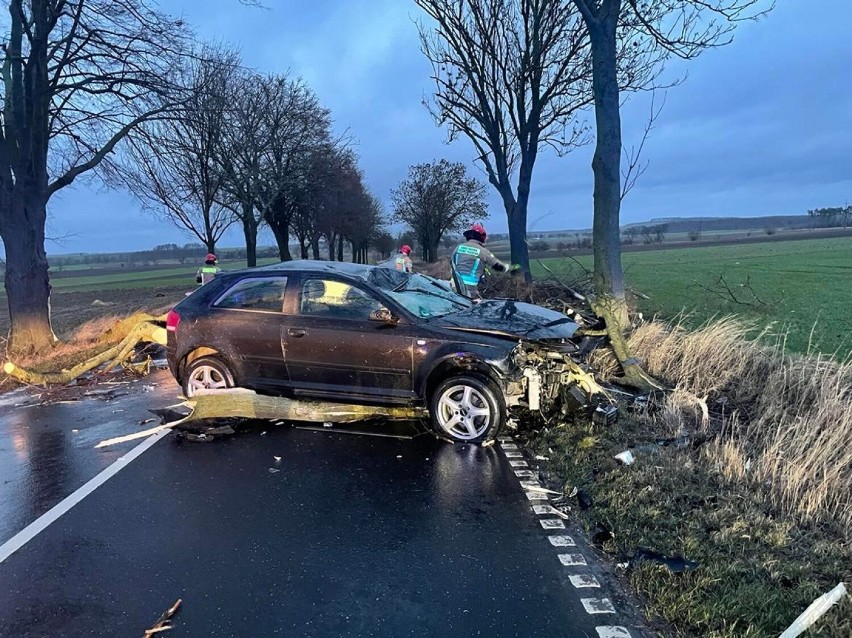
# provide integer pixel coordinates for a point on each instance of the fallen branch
(146, 330)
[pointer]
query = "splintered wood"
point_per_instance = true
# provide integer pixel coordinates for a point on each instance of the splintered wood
(241, 403)
(146, 330)
(164, 622)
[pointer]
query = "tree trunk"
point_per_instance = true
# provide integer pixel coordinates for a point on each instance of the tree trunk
(610, 303)
(315, 247)
(211, 245)
(303, 247)
(281, 231)
(332, 243)
(340, 248)
(606, 164)
(27, 279)
(250, 232)
(518, 215)
(433, 251)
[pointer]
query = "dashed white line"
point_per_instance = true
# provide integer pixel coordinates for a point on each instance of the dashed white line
(536, 496)
(583, 581)
(525, 474)
(598, 605)
(508, 446)
(572, 560)
(552, 523)
(561, 541)
(518, 463)
(513, 454)
(609, 631)
(542, 509)
(50, 516)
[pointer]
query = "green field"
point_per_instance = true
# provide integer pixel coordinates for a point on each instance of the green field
(805, 287)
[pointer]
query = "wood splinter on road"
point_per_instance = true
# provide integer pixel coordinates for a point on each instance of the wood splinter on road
(163, 622)
(242, 403)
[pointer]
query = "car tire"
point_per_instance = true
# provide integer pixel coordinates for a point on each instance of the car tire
(467, 408)
(206, 372)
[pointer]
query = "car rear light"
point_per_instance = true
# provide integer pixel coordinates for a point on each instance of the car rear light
(172, 321)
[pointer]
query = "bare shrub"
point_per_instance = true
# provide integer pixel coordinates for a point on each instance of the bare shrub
(778, 420)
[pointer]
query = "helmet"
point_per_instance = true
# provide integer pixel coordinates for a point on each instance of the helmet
(210, 257)
(479, 228)
(405, 250)
(477, 231)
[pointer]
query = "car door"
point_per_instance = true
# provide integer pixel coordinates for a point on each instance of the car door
(334, 349)
(250, 322)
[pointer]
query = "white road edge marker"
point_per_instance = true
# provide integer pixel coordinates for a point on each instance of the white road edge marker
(50, 516)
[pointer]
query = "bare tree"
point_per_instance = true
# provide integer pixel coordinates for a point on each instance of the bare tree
(621, 32)
(438, 198)
(74, 75)
(510, 75)
(171, 164)
(266, 110)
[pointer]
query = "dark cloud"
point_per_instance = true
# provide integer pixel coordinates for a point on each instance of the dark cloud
(759, 127)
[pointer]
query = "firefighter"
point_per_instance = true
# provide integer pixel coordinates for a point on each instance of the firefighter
(470, 260)
(208, 271)
(401, 261)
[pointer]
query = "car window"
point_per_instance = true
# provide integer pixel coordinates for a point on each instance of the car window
(255, 293)
(335, 299)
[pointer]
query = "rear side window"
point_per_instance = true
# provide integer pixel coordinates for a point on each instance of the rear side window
(255, 293)
(335, 300)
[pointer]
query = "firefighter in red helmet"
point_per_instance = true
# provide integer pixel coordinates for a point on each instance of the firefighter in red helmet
(208, 271)
(401, 261)
(471, 258)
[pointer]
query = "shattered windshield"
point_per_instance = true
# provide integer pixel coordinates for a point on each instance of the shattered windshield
(421, 295)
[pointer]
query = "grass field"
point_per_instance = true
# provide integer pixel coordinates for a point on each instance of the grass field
(805, 287)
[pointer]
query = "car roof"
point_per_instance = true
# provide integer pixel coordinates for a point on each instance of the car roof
(311, 265)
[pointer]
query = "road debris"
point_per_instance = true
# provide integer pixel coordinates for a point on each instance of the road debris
(277, 459)
(274, 470)
(815, 611)
(164, 622)
(675, 564)
(625, 457)
(538, 457)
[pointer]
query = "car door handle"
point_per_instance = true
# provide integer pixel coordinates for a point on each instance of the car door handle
(298, 333)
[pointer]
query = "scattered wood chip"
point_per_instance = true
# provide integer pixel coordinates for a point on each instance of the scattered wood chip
(164, 622)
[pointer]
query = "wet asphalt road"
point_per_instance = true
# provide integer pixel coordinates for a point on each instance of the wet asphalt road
(351, 535)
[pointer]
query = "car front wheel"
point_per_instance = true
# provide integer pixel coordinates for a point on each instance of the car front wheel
(206, 373)
(467, 408)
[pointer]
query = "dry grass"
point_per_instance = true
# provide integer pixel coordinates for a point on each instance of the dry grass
(780, 422)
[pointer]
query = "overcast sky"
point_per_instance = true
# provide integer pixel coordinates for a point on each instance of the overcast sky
(763, 126)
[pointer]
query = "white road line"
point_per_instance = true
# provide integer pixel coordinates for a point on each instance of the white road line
(598, 605)
(509, 446)
(571, 560)
(608, 631)
(561, 541)
(582, 581)
(525, 474)
(535, 496)
(518, 463)
(551, 523)
(42, 522)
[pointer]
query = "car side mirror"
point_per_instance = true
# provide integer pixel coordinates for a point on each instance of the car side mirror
(384, 315)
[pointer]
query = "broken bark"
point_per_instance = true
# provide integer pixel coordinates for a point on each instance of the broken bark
(613, 311)
(147, 330)
(164, 622)
(241, 403)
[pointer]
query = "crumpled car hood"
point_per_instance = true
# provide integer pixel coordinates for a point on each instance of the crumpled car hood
(512, 319)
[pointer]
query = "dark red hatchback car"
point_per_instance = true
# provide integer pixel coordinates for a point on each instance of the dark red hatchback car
(364, 334)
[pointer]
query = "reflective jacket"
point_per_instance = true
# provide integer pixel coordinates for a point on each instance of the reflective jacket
(400, 262)
(470, 260)
(206, 274)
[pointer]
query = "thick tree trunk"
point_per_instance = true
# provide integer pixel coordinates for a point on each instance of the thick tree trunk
(315, 251)
(518, 215)
(610, 303)
(432, 251)
(340, 248)
(250, 232)
(606, 164)
(211, 245)
(280, 228)
(27, 279)
(332, 243)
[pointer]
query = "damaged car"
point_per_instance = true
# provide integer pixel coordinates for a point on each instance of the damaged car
(334, 331)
